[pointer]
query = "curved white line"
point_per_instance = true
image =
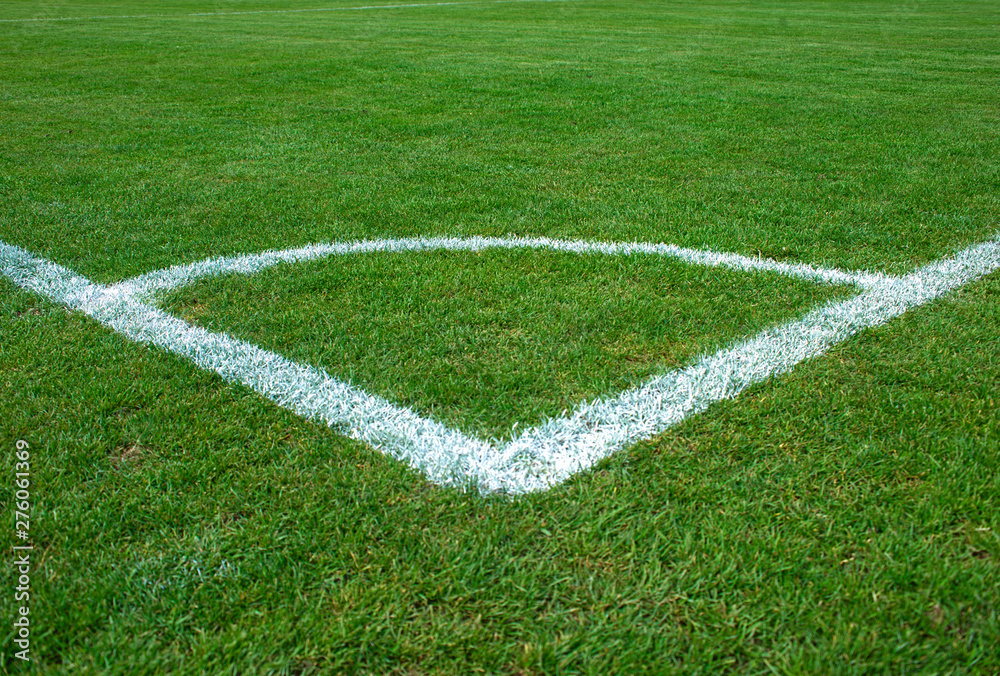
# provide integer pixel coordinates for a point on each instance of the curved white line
(145, 286)
(540, 457)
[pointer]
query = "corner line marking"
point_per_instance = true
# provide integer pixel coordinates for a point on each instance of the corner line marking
(539, 457)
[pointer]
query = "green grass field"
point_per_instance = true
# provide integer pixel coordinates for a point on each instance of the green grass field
(842, 518)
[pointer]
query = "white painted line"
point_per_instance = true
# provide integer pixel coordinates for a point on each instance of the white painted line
(146, 286)
(269, 11)
(540, 457)
(552, 452)
(303, 389)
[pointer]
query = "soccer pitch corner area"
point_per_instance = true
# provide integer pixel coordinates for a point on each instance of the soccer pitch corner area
(582, 337)
(536, 457)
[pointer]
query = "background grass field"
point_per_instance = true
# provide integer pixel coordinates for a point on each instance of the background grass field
(843, 518)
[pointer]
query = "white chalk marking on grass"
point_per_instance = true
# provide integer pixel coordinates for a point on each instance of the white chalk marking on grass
(540, 457)
(446, 456)
(269, 11)
(145, 286)
(552, 452)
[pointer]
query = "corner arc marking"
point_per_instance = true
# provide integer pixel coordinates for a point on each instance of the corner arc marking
(538, 458)
(147, 285)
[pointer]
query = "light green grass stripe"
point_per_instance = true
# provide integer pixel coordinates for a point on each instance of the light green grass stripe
(270, 11)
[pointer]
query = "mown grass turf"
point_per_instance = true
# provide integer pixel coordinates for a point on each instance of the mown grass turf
(839, 519)
(482, 341)
(849, 134)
